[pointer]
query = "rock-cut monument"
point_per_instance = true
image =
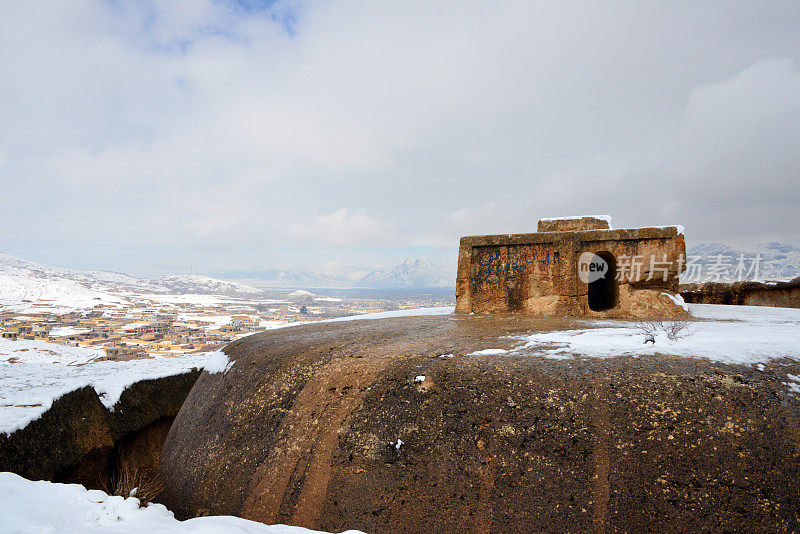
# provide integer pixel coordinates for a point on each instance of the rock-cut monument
(573, 266)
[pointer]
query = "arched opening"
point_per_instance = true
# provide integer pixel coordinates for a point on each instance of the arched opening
(603, 291)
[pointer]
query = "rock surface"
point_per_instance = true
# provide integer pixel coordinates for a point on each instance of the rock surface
(77, 438)
(332, 426)
(780, 294)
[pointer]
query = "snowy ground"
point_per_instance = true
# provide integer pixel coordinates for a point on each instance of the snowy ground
(33, 374)
(728, 334)
(27, 507)
(445, 310)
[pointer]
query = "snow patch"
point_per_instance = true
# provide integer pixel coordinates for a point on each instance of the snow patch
(27, 506)
(34, 374)
(677, 299)
(732, 334)
(488, 352)
(416, 312)
(217, 362)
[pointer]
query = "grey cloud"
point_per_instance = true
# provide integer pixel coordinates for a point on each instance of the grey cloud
(221, 136)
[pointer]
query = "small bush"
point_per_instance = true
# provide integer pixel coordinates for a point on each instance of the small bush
(146, 482)
(673, 330)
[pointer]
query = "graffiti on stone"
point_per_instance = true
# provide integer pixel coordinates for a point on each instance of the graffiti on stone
(492, 270)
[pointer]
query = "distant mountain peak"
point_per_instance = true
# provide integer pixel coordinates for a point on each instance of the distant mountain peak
(778, 260)
(26, 276)
(413, 272)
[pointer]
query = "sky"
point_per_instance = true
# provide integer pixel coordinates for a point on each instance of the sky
(341, 136)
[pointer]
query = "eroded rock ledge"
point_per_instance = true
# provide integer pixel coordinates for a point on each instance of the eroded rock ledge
(780, 294)
(80, 440)
(327, 426)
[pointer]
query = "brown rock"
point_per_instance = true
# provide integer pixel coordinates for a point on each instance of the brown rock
(323, 426)
(572, 224)
(780, 294)
(79, 440)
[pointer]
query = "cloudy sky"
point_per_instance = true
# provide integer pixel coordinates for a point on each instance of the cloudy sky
(168, 136)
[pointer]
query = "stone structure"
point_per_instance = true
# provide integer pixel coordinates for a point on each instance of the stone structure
(573, 266)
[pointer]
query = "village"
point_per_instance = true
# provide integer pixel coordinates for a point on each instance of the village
(141, 326)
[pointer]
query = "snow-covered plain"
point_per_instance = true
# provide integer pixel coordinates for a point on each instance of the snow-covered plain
(728, 334)
(33, 374)
(28, 507)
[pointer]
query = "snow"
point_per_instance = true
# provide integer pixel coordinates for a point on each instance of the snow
(794, 385)
(488, 352)
(31, 351)
(729, 334)
(199, 299)
(27, 507)
(416, 312)
(272, 324)
(301, 293)
(217, 362)
(62, 295)
(419, 378)
(33, 374)
(192, 283)
(677, 299)
(66, 331)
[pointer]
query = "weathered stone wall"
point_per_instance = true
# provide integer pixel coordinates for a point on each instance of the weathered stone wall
(537, 274)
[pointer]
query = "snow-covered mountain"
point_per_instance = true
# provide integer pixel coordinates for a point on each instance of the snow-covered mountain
(410, 273)
(23, 280)
(778, 260)
(99, 280)
(19, 291)
(276, 278)
(204, 285)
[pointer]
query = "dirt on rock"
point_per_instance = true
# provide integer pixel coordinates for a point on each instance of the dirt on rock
(327, 426)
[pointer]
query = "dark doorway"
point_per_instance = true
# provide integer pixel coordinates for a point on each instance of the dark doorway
(603, 291)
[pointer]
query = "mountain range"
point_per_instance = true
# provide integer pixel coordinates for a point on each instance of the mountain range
(411, 273)
(778, 260)
(22, 279)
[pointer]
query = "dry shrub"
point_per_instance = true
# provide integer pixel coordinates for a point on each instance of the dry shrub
(674, 330)
(147, 482)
